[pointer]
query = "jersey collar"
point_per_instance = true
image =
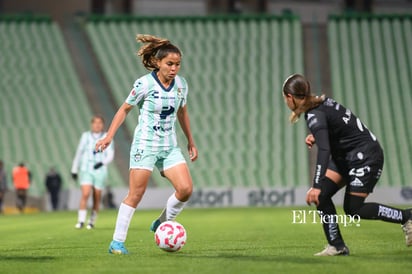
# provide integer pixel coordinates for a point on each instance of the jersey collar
(160, 83)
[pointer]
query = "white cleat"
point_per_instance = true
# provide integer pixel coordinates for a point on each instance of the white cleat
(407, 229)
(90, 226)
(330, 250)
(79, 225)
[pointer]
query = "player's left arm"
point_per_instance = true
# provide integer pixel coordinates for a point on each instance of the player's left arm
(184, 121)
(318, 126)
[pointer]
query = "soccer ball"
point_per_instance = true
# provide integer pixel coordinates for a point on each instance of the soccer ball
(170, 236)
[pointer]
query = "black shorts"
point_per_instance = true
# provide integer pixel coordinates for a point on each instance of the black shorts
(361, 171)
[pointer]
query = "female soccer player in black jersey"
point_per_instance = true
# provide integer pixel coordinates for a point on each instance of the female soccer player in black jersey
(348, 154)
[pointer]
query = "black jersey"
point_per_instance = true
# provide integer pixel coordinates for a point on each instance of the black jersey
(339, 134)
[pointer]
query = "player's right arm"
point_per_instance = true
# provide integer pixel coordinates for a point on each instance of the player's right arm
(117, 121)
(136, 95)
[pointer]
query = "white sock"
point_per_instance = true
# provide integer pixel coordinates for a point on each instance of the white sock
(173, 207)
(81, 215)
(93, 217)
(124, 216)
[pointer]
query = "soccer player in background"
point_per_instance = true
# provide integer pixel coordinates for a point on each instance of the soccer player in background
(348, 154)
(161, 97)
(91, 169)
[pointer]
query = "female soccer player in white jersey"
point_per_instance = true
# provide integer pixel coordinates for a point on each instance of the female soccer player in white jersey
(161, 97)
(348, 155)
(92, 169)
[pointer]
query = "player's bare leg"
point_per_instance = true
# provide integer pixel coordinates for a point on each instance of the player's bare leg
(97, 196)
(181, 180)
(138, 180)
(82, 213)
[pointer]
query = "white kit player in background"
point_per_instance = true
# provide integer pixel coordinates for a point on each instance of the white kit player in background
(90, 167)
(161, 97)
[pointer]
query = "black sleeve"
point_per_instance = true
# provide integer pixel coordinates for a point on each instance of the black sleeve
(322, 161)
(318, 126)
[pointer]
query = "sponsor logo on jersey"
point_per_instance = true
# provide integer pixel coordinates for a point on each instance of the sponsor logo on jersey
(312, 119)
(312, 122)
(310, 116)
(329, 102)
(317, 173)
(160, 128)
(166, 111)
(156, 95)
(356, 182)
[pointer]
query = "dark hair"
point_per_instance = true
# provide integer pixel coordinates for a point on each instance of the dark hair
(154, 49)
(297, 86)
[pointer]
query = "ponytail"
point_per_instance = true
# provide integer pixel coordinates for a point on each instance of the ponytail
(154, 49)
(304, 105)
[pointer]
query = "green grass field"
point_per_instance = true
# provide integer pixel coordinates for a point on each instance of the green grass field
(241, 240)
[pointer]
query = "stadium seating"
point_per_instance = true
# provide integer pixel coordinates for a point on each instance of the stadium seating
(43, 109)
(371, 61)
(235, 67)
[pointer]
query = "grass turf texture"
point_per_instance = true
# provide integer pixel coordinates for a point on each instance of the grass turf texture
(241, 240)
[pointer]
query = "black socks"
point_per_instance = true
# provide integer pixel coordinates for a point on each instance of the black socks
(355, 205)
(327, 212)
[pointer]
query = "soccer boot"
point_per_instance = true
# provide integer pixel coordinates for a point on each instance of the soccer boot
(90, 226)
(79, 225)
(330, 250)
(407, 229)
(155, 225)
(117, 248)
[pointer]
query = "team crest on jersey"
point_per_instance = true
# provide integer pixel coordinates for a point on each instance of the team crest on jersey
(138, 155)
(179, 93)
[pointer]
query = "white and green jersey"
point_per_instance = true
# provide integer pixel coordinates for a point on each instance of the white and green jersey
(86, 157)
(158, 110)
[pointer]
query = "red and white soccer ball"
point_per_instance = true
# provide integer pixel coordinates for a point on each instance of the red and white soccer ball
(170, 236)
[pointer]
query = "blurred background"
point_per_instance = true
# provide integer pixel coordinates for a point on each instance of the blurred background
(63, 61)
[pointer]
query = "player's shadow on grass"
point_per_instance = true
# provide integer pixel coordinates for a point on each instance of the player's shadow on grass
(257, 258)
(27, 258)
